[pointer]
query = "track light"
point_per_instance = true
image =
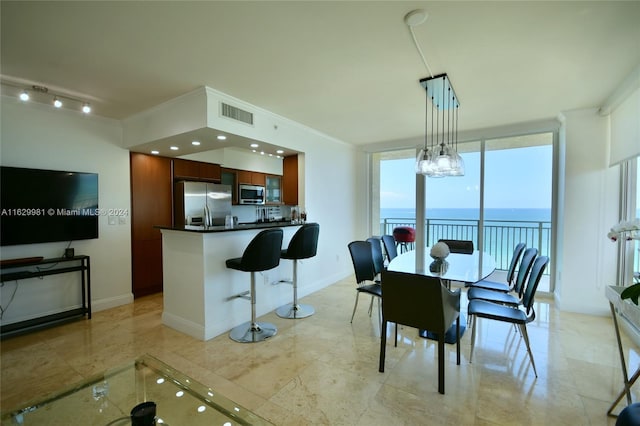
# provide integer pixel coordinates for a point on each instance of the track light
(41, 94)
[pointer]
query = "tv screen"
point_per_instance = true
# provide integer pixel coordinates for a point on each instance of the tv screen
(41, 206)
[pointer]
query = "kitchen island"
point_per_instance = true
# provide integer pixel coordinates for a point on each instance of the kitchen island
(201, 293)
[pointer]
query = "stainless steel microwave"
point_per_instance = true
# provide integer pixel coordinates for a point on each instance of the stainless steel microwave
(251, 194)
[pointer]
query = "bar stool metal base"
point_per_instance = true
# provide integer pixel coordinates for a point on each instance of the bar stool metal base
(295, 311)
(249, 332)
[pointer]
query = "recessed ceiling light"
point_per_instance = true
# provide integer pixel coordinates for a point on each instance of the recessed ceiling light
(196, 143)
(155, 152)
(254, 145)
(270, 155)
(24, 96)
(221, 137)
(86, 108)
(279, 151)
(253, 150)
(261, 152)
(57, 103)
(174, 148)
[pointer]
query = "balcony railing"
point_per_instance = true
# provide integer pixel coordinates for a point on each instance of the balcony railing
(499, 236)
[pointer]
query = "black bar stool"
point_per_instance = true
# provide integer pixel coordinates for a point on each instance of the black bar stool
(303, 245)
(262, 254)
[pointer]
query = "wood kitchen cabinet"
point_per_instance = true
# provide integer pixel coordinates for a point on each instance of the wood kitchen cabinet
(251, 178)
(290, 180)
(151, 205)
(196, 170)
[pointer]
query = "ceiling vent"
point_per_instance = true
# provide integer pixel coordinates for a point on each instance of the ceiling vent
(237, 114)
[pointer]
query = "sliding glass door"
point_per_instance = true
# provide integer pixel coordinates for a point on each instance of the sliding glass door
(518, 173)
(505, 196)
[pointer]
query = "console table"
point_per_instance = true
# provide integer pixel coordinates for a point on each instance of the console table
(630, 313)
(30, 269)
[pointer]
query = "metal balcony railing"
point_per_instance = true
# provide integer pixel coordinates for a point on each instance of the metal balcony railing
(499, 236)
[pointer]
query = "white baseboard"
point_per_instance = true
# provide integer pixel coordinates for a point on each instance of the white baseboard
(111, 302)
(184, 326)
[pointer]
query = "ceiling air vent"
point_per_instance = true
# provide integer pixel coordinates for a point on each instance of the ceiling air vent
(236, 113)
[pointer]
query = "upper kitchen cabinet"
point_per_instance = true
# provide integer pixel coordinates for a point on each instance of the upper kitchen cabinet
(290, 180)
(273, 186)
(230, 177)
(251, 178)
(196, 170)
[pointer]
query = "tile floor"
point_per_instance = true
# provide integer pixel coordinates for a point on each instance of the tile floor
(322, 370)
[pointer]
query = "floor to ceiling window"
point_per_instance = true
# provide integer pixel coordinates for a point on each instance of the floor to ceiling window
(513, 205)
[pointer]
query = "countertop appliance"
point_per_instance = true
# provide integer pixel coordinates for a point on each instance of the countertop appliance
(251, 194)
(201, 203)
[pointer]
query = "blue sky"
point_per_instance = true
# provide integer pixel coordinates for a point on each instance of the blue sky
(514, 178)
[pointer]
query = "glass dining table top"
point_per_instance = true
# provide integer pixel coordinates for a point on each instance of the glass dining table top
(469, 268)
(109, 398)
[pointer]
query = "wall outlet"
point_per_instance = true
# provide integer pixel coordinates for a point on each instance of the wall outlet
(122, 220)
(112, 220)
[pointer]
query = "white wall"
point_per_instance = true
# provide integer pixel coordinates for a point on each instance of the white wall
(39, 136)
(589, 207)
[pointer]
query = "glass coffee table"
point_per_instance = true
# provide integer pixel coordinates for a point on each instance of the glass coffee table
(113, 398)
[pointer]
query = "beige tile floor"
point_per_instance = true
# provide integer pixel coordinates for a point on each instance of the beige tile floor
(322, 370)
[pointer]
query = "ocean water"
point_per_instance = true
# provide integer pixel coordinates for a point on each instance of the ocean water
(529, 214)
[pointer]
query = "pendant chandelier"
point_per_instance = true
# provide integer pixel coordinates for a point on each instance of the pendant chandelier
(439, 156)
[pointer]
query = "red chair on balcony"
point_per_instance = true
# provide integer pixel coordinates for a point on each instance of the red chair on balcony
(405, 236)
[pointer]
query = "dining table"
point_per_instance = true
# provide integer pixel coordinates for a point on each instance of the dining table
(466, 268)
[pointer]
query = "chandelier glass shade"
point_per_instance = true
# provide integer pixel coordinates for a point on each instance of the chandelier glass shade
(439, 157)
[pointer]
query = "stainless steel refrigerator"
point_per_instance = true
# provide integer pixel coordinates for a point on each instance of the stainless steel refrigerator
(201, 203)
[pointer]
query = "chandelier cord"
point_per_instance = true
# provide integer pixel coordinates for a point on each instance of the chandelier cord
(415, 42)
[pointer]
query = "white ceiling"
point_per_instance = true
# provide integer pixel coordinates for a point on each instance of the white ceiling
(347, 69)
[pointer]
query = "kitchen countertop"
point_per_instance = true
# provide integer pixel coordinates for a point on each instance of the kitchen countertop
(221, 228)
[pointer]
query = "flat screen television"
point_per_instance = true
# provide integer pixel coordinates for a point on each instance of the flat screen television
(41, 206)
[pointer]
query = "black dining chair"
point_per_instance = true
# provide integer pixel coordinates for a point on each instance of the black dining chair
(364, 269)
(511, 273)
(390, 248)
(459, 246)
(519, 316)
(422, 302)
(378, 258)
(511, 299)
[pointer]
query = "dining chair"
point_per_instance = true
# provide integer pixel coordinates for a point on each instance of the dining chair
(378, 258)
(422, 302)
(498, 296)
(520, 316)
(390, 248)
(511, 273)
(459, 246)
(364, 269)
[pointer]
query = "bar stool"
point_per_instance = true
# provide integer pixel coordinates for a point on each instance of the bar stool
(262, 254)
(303, 245)
(404, 235)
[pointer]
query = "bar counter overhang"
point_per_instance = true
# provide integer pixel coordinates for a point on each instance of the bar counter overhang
(200, 292)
